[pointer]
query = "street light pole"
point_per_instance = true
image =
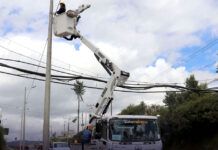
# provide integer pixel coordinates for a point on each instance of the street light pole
(68, 130)
(46, 121)
(78, 113)
(21, 130)
(111, 108)
(0, 115)
(24, 120)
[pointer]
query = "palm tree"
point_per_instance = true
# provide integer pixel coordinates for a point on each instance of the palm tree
(79, 90)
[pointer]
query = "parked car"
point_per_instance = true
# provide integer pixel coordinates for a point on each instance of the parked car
(60, 146)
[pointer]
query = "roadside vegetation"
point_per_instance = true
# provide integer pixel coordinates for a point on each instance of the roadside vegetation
(189, 120)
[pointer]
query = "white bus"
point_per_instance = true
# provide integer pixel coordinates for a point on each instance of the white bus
(127, 132)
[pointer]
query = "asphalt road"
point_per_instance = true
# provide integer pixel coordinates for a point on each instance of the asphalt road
(86, 147)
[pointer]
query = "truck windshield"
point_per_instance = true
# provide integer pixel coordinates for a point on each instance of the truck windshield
(133, 130)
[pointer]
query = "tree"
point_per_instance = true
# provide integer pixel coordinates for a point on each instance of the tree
(173, 99)
(79, 90)
(134, 109)
(191, 82)
(191, 117)
(142, 109)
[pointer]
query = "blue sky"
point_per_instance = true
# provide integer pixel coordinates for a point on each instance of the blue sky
(203, 56)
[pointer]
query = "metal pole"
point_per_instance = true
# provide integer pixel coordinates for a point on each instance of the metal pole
(78, 113)
(111, 109)
(0, 116)
(24, 118)
(48, 83)
(64, 128)
(21, 129)
(82, 122)
(68, 129)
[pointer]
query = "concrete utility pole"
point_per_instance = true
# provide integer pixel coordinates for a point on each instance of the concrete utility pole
(46, 121)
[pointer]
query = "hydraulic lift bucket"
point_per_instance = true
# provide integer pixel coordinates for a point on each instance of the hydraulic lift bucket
(64, 25)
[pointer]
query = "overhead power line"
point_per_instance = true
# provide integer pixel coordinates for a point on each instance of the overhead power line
(127, 83)
(136, 87)
(191, 56)
(41, 61)
(98, 88)
(58, 60)
(206, 47)
(39, 66)
(57, 77)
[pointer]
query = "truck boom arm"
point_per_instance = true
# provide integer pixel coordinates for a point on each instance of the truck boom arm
(118, 77)
(65, 25)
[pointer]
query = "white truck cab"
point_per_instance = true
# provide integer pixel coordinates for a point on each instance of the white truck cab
(127, 132)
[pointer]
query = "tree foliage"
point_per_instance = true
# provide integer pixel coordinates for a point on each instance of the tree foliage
(142, 109)
(190, 116)
(191, 82)
(189, 119)
(79, 89)
(134, 109)
(174, 99)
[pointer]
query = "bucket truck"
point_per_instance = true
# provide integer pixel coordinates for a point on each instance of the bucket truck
(114, 132)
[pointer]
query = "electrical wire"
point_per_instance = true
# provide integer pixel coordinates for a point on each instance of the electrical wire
(55, 70)
(39, 61)
(58, 60)
(131, 83)
(206, 66)
(97, 88)
(53, 58)
(139, 84)
(69, 78)
(191, 56)
(38, 66)
(206, 47)
(127, 83)
(57, 77)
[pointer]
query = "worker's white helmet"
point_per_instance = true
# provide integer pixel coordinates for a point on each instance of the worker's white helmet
(62, 1)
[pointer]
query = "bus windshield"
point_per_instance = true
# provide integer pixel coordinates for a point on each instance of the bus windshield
(133, 130)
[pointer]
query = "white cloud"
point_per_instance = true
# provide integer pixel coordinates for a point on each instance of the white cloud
(206, 77)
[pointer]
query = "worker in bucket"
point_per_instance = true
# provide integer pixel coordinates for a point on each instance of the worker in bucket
(62, 8)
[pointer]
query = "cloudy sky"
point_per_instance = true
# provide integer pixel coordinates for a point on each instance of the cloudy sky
(162, 41)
